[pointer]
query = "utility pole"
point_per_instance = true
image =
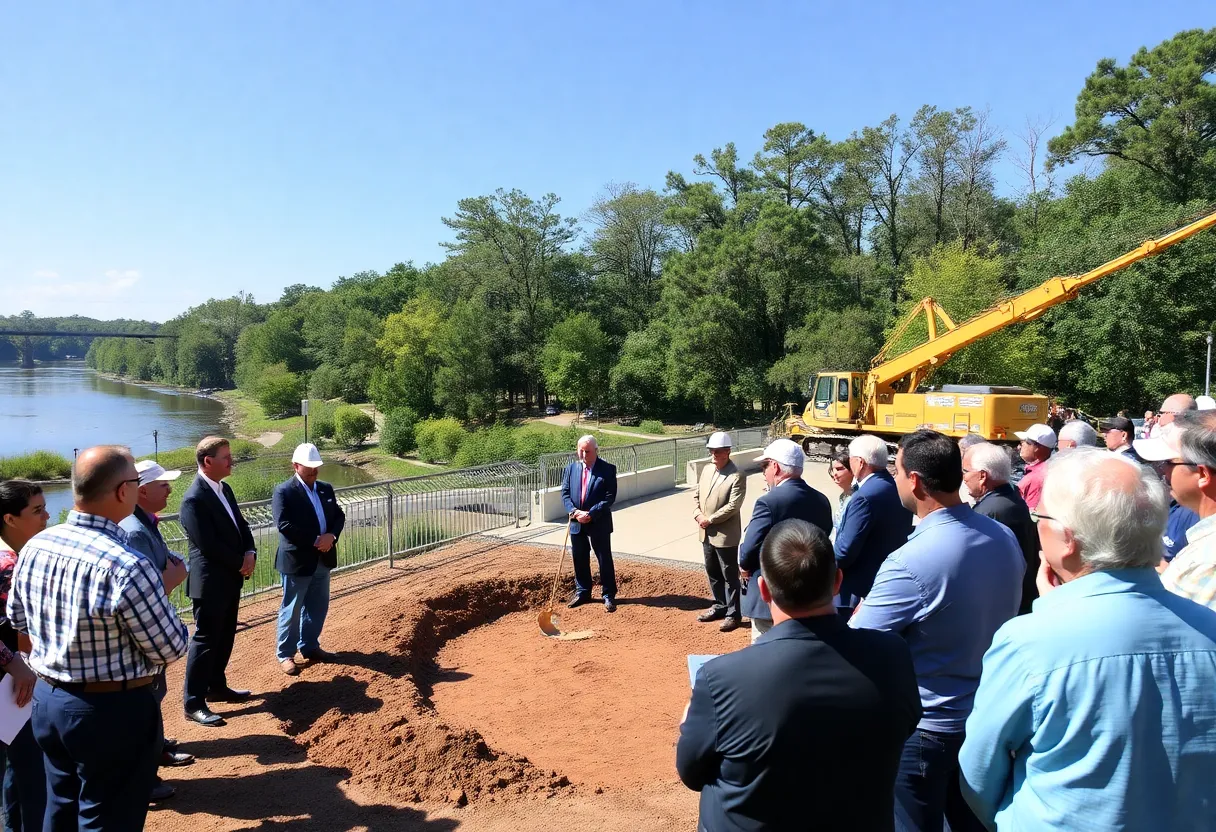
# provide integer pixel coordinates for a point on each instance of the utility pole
(1207, 377)
(155, 447)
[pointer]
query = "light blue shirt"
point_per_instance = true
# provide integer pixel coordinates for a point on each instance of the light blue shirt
(1098, 711)
(315, 499)
(947, 591)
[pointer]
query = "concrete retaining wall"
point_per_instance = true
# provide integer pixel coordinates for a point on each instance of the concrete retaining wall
(547, 504)
(747, 461)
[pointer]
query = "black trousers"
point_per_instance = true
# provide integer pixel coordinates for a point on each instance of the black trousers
(580, 552)
(211, 646)
(722, 569)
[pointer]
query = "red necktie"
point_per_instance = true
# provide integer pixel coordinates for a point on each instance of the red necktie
(586, 479)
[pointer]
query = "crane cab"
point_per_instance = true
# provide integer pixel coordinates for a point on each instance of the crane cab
(836, 400)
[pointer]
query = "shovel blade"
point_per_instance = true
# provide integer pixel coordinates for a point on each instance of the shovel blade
(550, 623)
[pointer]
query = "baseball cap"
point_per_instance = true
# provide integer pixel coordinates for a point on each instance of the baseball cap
(785, 451)
(1205, 403)
(721, 439)
(307, 455)
(1121, 423)
(150, 471)
(1039, 434)
(1165, 444)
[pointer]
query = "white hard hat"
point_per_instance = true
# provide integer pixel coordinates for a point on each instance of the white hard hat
(150, 471)
(307, 455)
(785, 451)
(1205, 403)
(1039, 434)
(721, 439)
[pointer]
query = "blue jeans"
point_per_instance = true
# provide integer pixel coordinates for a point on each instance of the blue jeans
(927, 794)
(102, 750)
(302, 614)
(24, 784)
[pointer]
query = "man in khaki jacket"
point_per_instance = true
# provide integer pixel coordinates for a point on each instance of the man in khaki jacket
(718, 498)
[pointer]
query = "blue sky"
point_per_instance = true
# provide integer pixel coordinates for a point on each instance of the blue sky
(155, 155)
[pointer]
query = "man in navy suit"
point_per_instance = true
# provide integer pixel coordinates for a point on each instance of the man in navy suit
(222, 555)
(788, 497)
(804, 729)
(309, 520)
(875, 522)
(588, 492)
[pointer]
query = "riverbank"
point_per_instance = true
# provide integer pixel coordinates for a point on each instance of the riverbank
(40, 466)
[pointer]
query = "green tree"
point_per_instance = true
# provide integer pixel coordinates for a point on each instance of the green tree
(827, 340)
(464, 383)
(784, 163)
(630, 239)
(279, 391)
(397, 434)
(639, 377)
(410, 357)
(352, 426)
(575, 360)
(439, 439)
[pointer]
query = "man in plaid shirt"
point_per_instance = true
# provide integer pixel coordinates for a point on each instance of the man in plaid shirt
(102, 628)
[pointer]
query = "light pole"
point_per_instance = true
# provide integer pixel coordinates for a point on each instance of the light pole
(1207, 376)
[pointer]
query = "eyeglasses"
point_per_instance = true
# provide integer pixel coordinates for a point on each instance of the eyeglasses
(1035, 517)
(1167, 464)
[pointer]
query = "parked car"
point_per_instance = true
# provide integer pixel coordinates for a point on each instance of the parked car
(588, 414)
(551, 411)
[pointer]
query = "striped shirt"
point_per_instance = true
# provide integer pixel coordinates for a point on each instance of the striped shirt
(95, 611)
(1192, 572)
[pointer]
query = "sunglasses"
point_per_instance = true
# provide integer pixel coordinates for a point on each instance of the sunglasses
(1036, 517)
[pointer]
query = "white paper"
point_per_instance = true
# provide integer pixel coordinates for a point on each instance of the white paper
(12, 718)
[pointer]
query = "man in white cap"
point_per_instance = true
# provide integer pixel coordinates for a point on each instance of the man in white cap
(309, 520)
(1038, 441)
(718, 498)
(144, 538)
(788, 498)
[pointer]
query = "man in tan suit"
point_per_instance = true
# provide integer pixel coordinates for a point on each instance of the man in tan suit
(718, 497)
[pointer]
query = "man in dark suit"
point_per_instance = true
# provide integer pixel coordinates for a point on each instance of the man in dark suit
(309, 520)
(222, 556)
(874, 523)
(986, 472)
(588, 492)
(804, 729)
(788, 497)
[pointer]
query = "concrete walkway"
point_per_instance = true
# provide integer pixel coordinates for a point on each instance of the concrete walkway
(661, 526)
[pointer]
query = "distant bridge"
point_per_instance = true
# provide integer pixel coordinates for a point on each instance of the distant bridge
(26, 345)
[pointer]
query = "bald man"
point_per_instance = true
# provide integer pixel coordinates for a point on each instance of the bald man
(102, 630)
(1173, 405)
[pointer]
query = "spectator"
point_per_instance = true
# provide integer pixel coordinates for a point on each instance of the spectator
(1120, 432)
(1170, 409)
(22, 515)
(1038, 441)
(788, 498)
(986, 472)
(842, 475)
(970, 440)
(1186, 457)
(1096, 711)
(1150, 419)
(1077, 434)
(946, 591)
(588, 492)
(101, 628)
(804, 728)
(874, 524)
(718, 499)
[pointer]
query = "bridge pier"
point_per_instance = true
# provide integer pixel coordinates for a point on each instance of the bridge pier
(27, 353)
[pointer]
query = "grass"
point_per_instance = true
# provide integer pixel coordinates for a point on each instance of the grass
(38, 465)
(652, 426)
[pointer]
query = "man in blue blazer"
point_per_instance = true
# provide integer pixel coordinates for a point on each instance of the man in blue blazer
(804, 729)
(588, 492)
(875, 522)
(788, 497)
(310, 520)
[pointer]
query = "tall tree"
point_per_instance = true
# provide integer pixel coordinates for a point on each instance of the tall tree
(980, 146)
(783, 164)
(888, 156)
(575, 360)
(841, 190)
(938, 134)
(723, 164)
(630, 239)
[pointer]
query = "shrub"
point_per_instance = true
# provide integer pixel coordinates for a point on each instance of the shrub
(39, 465)
(486, 445)
(279, 391)
(530, 444)
(439, 439)
(325, 383)
(352, 426)
(321, 426)
(652, 426)
(397, 435)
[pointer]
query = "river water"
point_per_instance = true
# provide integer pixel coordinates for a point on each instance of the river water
(62, 406)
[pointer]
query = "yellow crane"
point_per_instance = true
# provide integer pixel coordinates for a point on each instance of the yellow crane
(885, 400)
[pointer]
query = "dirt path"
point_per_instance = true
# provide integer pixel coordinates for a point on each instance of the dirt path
(269, 439)
(446, 693)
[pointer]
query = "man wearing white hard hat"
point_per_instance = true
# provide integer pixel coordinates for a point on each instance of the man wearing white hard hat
(718, 499)
(1038, 441)
(310, 520)
(144, 538)
(788, 498)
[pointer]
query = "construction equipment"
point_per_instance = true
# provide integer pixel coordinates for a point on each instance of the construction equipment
(890, 399)
(549, 621)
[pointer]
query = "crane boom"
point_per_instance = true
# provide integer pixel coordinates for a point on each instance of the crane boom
(917, 363)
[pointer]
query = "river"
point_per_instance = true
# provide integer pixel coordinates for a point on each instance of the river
(63, 405)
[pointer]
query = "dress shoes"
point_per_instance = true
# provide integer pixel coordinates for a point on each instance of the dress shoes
(205, 716)
(289, 667)
(161, 791)
(609, 606)
(730, 623)
(711, 615)
(175, 758)
(170, 744)
(319, 655)
(229, 695)
(578, 601)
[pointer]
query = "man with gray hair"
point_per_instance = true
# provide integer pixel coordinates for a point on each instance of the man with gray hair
(1077, 433)
(986, 471)
(874, 523)
(1097, 708)
(588, 492)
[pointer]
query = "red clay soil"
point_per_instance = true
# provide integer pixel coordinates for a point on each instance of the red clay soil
(448, 709)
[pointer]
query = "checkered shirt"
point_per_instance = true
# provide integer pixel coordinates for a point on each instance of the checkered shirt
(95, 610)
(1192, 572)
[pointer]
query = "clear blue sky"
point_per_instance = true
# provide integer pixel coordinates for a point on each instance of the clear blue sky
(154, 155)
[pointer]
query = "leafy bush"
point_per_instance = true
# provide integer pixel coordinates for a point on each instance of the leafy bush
(486, 445)
(652, 426)
(352, 426)
(439, 439)
(39, 465)
(279, 391)
(325, 383)
(397, 435)
(321, 419)
(530, 444)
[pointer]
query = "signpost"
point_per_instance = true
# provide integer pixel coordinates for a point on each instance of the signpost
(304, 412)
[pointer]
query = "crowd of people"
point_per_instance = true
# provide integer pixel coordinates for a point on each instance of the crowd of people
(88, 629)
(989, 655)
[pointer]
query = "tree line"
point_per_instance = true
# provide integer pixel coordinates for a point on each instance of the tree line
(720, 295)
